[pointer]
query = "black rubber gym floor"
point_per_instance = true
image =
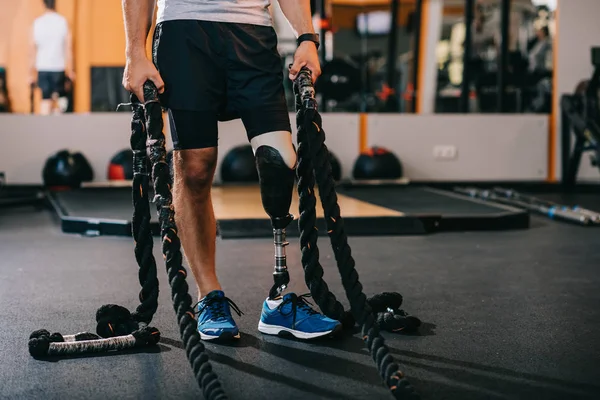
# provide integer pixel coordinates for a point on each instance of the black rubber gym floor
(507, 315)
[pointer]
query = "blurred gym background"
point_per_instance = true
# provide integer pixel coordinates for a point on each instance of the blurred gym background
(453, 100)
(465, 141)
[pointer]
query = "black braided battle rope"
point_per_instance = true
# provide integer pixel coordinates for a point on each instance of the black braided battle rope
(118, 329)
(115, 320)
(313, 162)
(140, 227)
(171, 247)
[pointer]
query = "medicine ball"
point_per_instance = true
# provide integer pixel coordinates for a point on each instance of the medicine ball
(63, 170)
(336, 167)
(121, 166)
(87, 173)
(239, 165)
(377, 163)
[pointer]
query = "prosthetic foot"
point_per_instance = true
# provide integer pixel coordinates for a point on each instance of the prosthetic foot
(276, 187)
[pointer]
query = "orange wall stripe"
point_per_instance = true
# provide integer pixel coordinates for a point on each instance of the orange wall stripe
(552, 125)
(422, 53)
(82, 37)
(363, 136)
(18, 61)
(108, 44)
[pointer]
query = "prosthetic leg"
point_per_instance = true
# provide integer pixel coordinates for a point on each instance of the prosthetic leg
(276, 187)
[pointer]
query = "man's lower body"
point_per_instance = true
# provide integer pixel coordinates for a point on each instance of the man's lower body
(218, 71)
(52, 85)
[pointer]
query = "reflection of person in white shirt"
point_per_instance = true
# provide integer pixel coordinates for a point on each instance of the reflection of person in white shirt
(482, 36)
(541, 52)
(52, 58)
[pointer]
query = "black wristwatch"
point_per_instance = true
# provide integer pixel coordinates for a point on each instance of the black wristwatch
(309, 37)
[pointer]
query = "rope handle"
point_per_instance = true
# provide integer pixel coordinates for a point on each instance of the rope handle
(44, 344)
(150, 92)
(306, 90)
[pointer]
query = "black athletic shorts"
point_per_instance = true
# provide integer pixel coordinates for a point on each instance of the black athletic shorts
(216, 71)
(51, 82)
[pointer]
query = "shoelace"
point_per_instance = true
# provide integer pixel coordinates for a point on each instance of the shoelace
(216, 305)
(297, 302)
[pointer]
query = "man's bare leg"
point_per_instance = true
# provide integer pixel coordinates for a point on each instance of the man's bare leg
(55, 108)
(194, 214)
(46, 106)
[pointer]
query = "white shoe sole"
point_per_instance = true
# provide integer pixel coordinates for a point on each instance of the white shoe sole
(277, 330)
(223, 336)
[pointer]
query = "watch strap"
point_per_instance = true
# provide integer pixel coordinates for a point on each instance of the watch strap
(309, 37)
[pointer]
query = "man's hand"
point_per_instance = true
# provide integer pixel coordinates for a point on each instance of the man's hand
(138, 16)
(306, 56)
(298, 13)
(138, 70)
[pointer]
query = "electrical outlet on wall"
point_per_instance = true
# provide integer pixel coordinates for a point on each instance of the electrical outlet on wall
(445, 152)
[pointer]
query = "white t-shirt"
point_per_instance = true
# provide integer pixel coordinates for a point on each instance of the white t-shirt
(255, 12)
(50, 33)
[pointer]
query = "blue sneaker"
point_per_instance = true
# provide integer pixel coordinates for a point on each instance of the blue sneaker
(214, 317)
(294, 315)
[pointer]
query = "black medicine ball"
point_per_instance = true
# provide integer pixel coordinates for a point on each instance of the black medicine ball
(87, 173)
(377, 163)
(239, 165)
(63, 169)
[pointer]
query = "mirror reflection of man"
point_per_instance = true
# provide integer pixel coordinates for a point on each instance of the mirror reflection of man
(51, 51)
(541, 51)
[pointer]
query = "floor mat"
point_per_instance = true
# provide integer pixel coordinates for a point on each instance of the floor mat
(418, 200)
(240, 213)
